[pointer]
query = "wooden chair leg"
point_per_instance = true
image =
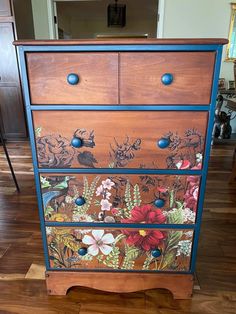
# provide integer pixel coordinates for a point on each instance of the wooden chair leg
(9, 162)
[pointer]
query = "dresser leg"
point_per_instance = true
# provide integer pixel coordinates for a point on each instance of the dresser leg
(180, 285)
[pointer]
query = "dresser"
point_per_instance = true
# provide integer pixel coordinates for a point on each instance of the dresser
(120, 132)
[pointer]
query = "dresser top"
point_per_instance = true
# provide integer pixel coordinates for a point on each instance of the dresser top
(123, 41)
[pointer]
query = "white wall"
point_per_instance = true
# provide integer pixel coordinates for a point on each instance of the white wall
(40, 17)
(199, 18)
(202, 19)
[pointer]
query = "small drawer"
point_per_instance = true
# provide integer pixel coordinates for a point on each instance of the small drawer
(73, 78)
(128, 199)
(165, 78)
(125, 249)
(120, 139)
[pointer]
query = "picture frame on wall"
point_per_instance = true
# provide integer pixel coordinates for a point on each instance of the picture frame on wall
(221, 84)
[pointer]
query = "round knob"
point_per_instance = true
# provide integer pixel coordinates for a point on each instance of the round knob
(167, 78)
(159, 202)
(82, 251)
(76, 142)
(156, 253)
(80, 201)
(163, 142)
(73, 79)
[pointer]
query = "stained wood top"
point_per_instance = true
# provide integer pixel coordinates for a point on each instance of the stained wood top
(123, 41)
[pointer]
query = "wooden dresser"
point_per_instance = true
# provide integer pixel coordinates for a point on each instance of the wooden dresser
(120, 134)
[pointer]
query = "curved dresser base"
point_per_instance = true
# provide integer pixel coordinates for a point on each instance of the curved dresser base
(180, 285)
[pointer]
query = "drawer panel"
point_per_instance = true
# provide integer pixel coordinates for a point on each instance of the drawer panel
(120, 139)
(138, 199)
(93, 79)
(141, 77)
(113, 249)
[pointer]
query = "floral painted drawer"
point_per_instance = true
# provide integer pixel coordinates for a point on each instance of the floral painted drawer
(113, 249)
(151, 199)
(120, 139)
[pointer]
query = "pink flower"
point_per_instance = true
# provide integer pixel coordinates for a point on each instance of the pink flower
(183, 164)
(162, 189)
(114, 211)
(99, 241)
(107, 184)
(106, 205)
(191, 194)
(99, 190)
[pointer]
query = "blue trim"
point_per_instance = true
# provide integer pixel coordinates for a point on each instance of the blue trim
(117, 225)
(34, 156)
(122, 171)
(110, 270)
(121, 108)
(130, 47)
(207, 156)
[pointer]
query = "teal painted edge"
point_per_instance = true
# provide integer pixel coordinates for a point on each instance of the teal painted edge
(24, 79)
(207, 157)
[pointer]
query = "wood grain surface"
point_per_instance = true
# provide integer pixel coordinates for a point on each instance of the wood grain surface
(140, 77)
(180, 285)
(122, 41)
(98, 78)
(119, 139)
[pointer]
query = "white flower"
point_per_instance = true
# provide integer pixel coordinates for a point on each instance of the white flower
(199, 157)
(82, 218)
(108, 194)
(49, 230)
(106, 205)
(195, 193)
(108, 184)
(68, 199)
(184, 247)
(189, 215)
(99, 190)
(188, 234)
(99, 241)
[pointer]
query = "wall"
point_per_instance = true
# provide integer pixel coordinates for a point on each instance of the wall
(24, 19)
(86, 19)
(201, 18)
(40, 17)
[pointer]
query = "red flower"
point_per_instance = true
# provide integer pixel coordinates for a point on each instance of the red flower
(144, 239)
(145, 214)
(183, 164)
(114, 211)
(191, 195)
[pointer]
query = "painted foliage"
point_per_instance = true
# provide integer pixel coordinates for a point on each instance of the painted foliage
(128, 249)
(120, 198)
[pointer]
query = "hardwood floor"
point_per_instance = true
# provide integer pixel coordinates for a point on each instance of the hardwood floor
(20, 247)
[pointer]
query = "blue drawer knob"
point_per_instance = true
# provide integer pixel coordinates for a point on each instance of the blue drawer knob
(80, 201)
(156, 253)
(73, 79)
(163, 143)
(82, 251)
(167, 78)
(159, 202)
(76, 142)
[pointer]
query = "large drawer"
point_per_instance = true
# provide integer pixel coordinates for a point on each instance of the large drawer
(114, 249)
(120, 139)
(73, 78)
(166, 77)
(136, 199)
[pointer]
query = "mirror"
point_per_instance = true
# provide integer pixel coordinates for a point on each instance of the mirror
(231, 48)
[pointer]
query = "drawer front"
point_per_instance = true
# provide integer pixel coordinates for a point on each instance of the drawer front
(137, 199)
(166, 77)
(113, 249)
(73, 78)
(102, 139)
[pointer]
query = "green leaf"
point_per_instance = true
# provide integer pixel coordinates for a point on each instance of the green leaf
(38, 131)
(168, 260)
(132, 252)
(128, 199)
(171, 198)
(176, 216)
(137, 196)
(44, 182)
(119, 238)
(112, 260)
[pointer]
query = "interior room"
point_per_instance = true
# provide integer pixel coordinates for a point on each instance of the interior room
(117, 113)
